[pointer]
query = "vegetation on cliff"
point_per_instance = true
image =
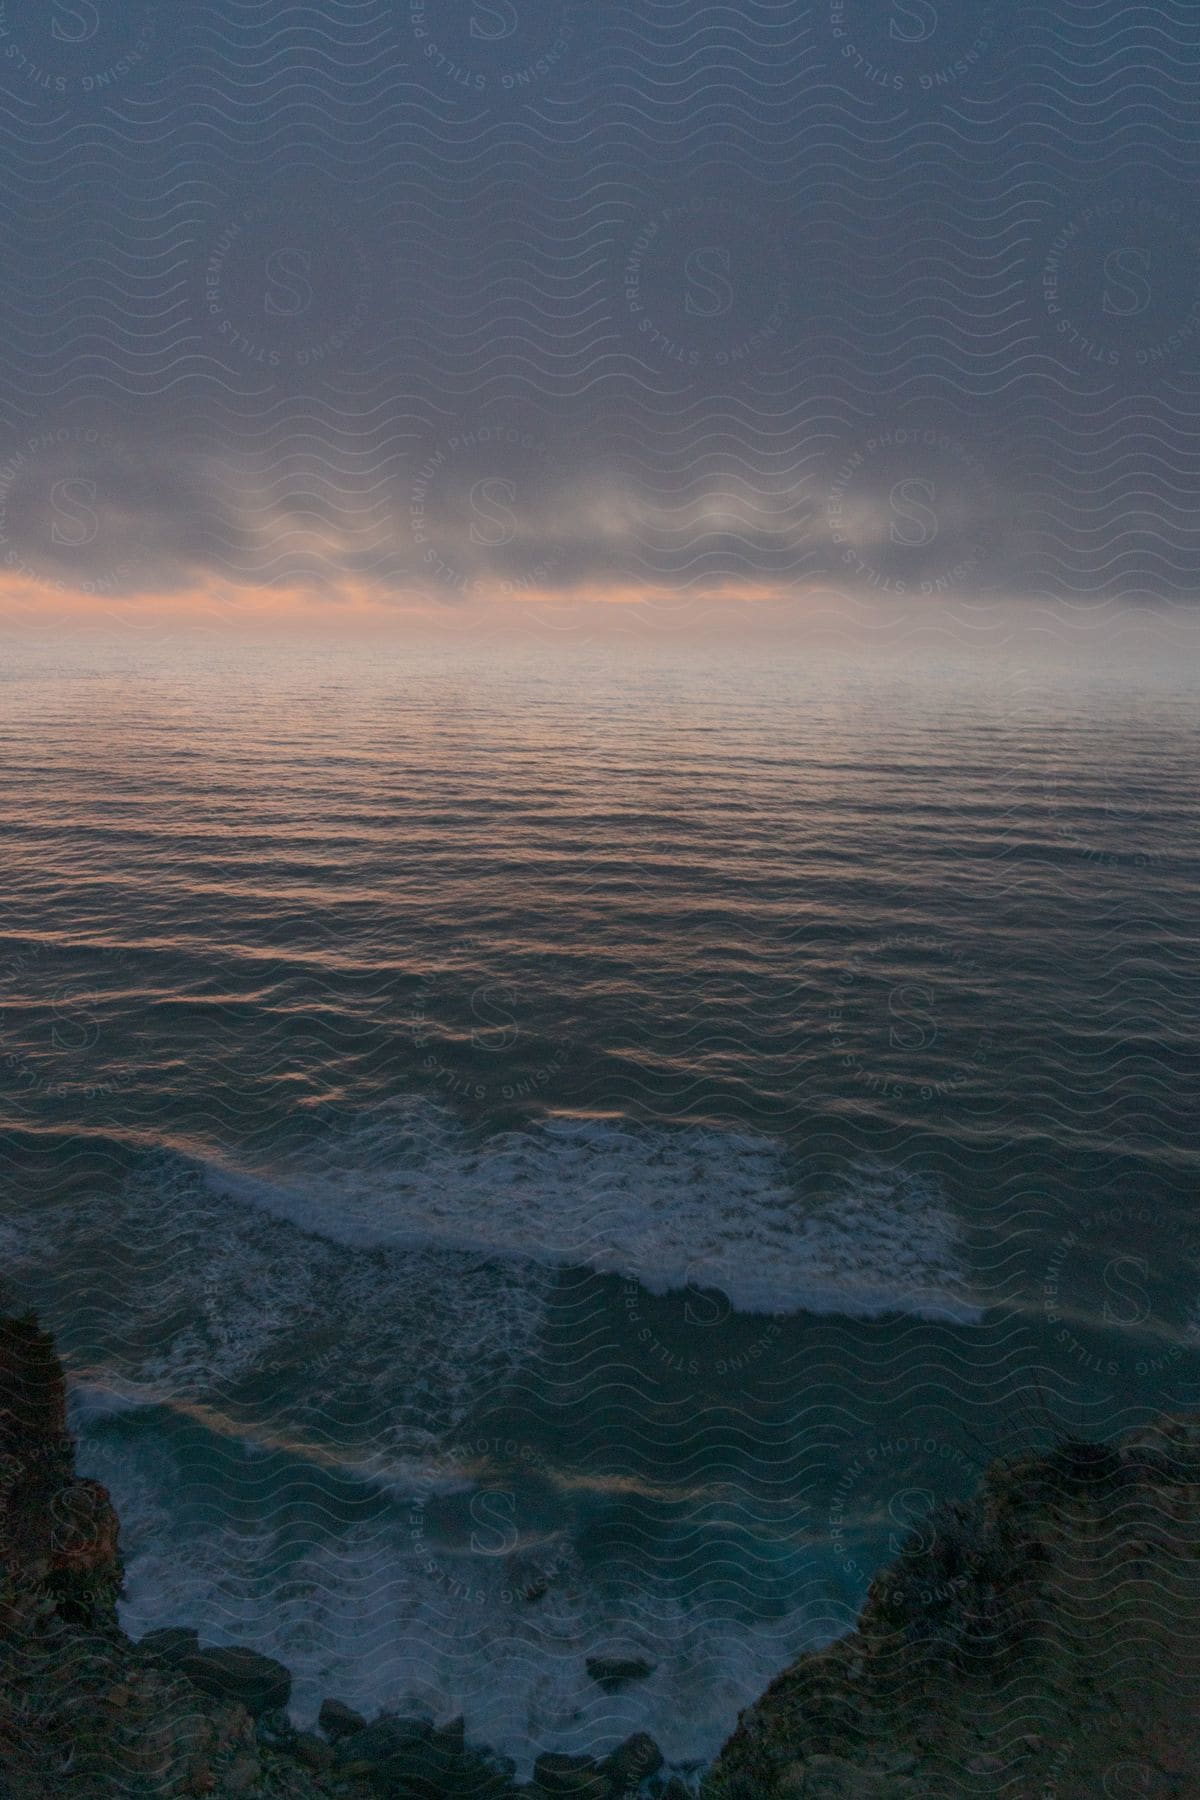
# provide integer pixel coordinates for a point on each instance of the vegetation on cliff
(1040, 1642)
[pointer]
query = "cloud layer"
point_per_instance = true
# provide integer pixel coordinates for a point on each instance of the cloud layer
(447, 307)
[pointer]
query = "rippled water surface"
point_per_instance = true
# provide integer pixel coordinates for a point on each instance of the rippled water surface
(541, 1156)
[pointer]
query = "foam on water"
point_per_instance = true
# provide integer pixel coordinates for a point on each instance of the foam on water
(669, 1208)
(354, 1312)
(363, 1613)
(380, 1352)
(400, 1274)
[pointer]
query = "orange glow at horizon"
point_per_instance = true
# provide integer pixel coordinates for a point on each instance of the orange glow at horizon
(352, 604)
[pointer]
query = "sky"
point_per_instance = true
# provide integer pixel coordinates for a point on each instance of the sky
(654, 311)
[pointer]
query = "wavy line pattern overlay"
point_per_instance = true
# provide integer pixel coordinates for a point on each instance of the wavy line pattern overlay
(597, 997)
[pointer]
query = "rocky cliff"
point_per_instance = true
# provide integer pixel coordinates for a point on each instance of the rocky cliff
(1040, 1643)
(82, 1711)
(86, 1714)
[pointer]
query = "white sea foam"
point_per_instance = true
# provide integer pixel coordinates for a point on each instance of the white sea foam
(669, 1208)
(355, 1309)
(206, 1301)
(362, 1613)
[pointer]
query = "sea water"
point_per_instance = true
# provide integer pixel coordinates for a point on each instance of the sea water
(533, 1156)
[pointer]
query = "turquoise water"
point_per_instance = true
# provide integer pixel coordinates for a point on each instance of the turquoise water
(539, 1155)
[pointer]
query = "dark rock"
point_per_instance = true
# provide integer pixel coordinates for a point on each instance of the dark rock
(614, 1672)
(581, 1777)
(171, 1644)
(387, 1737)
(453, 1735)
(259, 1683)
(423, 1767)
(439, 1766)
(311, 1750)
(84, 1533)
(1081, 1464)
(242, 1774)
(633, 1762)
(338, 1720)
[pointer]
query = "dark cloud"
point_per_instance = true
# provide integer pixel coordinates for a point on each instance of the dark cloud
(479, 297)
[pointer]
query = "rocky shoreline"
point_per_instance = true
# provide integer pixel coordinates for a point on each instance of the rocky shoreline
(1039, 1641)
(86, 1711)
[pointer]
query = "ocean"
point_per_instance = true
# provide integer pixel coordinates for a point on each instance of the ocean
(537, 1153)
